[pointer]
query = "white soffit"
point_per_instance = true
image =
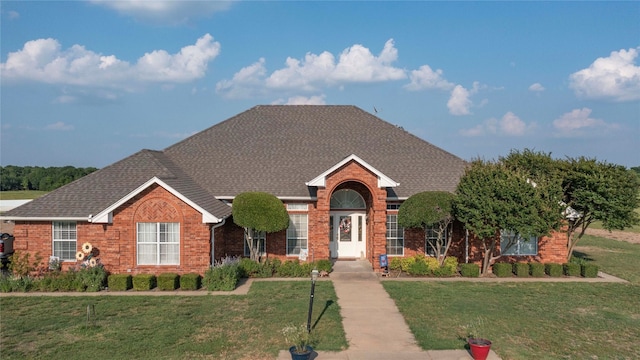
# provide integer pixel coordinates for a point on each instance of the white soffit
(383, 180)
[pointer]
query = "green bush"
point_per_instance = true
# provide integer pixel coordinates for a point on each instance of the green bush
(222, 277)
(470, 270)
(168, 281)
(502, 269)
(249, 268)
(589, 270)
(553, 270)
(293, 268)
(572, 269)
(395, 263)
(17, 284)
(449, 268)
(6, 284)
(144, 282)
(58, 281)
(536, 269)
(191, 281)
(119, 282)
(405, 263)
(90, 279)
(521, 269)
(324, 265)
(419, 268)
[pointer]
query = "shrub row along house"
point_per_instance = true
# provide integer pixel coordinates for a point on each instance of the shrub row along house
(342, 174)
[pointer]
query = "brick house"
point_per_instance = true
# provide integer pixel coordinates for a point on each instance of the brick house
(341, 172)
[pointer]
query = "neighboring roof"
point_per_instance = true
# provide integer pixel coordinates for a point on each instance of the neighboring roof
(276, 149)
(279, 148)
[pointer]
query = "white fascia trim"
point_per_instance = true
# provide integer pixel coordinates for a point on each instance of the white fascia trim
(25, 218)
(288, 198)
(105, 216)
(383, 180)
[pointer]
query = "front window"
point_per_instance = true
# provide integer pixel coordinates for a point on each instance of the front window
(431, 241)
(260, 237)
(158, 243)
(65, 238)
(512, 244)
(395, 236)
(297, 234)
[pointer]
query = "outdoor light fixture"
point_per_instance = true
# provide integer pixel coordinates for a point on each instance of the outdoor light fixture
(314, 277)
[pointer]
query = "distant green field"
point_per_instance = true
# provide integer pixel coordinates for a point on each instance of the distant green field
(635, 228)
(21, 195)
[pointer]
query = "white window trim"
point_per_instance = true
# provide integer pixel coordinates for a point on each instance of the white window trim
(514, 250)
(387, 238)
(297, 238)
(297, 207)
(157, 243)
(72, 258)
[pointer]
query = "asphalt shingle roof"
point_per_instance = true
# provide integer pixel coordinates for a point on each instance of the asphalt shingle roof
(274, 148)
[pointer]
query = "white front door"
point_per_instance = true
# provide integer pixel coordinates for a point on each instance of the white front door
(347, 234)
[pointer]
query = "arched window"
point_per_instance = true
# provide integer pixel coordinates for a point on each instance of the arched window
(347, 199)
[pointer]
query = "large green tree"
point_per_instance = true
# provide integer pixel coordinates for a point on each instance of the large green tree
(430, 209)
(599, 191)
(258, 211)
(492, 197)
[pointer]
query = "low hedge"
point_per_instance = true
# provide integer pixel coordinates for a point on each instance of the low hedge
(589, 270)
(536, 269)
(553, 270)
(521, 269)
(470, 270)
(502, 269)
(572, 269)
(144, 282)
(222, 278)
(119, 282)
(168, 281)
(191, 281)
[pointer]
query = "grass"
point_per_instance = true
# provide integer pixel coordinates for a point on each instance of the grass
(535, 320)
(168, 327)
(635, 228)
(21, 195)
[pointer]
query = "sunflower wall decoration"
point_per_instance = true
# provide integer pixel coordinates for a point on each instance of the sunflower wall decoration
(86, 256)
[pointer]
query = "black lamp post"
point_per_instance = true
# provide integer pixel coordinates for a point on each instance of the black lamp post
(314, 277)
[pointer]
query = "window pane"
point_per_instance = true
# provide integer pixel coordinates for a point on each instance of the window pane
(395, 236)
(64, 240)
(158, 243)
(297, 233)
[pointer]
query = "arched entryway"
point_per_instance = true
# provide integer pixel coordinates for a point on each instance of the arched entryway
(347, 224)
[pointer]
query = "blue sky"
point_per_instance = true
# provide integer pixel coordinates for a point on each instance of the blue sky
(86, 83)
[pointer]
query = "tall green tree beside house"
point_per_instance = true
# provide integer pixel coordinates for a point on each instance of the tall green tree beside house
(430, 210)
(599, 191)
(258, 211)
(492, 197)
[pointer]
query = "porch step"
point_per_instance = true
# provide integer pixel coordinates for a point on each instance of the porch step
(353, 270)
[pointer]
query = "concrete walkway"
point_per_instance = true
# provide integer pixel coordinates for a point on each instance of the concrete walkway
(374, 327)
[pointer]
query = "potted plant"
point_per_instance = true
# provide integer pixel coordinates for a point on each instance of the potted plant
(300, 339)
(478, 343)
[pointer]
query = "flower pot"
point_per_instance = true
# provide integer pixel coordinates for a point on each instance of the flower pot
(479, 348)
(300, 356)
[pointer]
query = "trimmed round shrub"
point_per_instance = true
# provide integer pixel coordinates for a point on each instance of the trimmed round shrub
(144, 282)
(502, 269)
(572, 269)
(536, 269)
(119, 282)
(521, 269)
(168, 281)
(395, 263)
(191, 281)
(419, 268)
(553, 270)
(470, 270)
(589, 270)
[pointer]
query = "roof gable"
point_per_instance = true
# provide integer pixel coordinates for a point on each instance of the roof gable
(383, 180)
(105, 216)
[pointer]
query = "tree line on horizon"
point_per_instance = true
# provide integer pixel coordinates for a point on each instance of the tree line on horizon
(16, 178)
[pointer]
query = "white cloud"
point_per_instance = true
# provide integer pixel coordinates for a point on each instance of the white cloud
(302, 100)
(459, 102)
(165, 12)
(354, 65)
(614, 78)
(578, 121)
(509, 125)
(426, 78)
(537, 87)
(43, 60)
(13, 15)
(59, 126)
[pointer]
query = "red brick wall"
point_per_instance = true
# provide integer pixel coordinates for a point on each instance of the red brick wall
(115, 244)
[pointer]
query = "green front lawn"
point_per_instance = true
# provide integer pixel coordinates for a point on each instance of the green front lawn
(21, 195)
(535, 320)
(168, 327)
